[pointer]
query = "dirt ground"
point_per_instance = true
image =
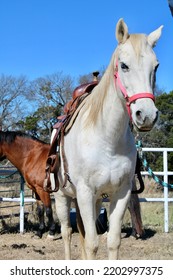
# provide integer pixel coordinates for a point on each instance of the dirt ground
(16, 246)
(156, 245)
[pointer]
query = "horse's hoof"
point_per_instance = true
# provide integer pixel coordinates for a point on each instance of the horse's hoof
(37, 235)
(54, 236)
(51, 237)
(123, 235)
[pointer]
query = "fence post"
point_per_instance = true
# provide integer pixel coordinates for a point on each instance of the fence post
(165, 169)
(22, 182)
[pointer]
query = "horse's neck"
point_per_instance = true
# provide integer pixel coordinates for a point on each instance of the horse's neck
(114, 117)
(15, 153)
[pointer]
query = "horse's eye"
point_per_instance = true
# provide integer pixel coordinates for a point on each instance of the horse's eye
(124, 67)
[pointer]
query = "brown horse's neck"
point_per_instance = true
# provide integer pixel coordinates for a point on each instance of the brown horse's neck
(18, 151)
(14, 152)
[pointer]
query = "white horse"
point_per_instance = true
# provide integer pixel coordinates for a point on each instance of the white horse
(100, 148)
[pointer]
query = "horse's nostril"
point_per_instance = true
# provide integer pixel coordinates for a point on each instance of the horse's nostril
(138, 114)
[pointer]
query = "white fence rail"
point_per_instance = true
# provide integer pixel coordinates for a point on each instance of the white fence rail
(165, 173)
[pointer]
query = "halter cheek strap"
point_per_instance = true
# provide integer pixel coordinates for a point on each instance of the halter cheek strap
(130, 99)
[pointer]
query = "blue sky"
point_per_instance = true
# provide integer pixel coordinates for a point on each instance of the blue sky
(41, 37)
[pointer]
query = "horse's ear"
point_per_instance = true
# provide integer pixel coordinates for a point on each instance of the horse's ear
(121, 31)
(154, 36)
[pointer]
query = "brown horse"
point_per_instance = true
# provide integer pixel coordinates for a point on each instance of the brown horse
(28, 155)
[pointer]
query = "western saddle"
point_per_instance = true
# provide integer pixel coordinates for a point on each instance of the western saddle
(53, 160)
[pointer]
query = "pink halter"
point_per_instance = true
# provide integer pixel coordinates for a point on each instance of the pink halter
(133, 98)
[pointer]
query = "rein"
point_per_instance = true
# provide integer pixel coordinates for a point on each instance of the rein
(130, 99)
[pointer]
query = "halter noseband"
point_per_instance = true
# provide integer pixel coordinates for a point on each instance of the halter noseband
(130, 99)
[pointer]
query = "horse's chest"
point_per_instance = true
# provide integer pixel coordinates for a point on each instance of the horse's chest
(100, 168)
(111, 173)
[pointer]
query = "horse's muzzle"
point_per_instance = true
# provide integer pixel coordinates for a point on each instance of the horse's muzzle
(143, 121)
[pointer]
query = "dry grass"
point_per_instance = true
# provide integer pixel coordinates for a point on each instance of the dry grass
(153, 212)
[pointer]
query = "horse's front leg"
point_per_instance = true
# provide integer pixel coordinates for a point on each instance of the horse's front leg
(51, 222)
(118, 205)
(62, 204)
(46, 200)
(88, 213)
(81, 230)
(40, 213)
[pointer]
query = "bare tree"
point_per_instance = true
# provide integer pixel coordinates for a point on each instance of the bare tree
(12, 100)
(55, 89)
(89, 77)
(49, 95)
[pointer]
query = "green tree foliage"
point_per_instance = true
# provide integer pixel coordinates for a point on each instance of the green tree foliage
(162, 134)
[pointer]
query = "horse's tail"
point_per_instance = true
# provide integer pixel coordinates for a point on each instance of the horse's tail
(135, 212)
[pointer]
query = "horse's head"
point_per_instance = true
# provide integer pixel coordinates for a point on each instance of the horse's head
(135, 69)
